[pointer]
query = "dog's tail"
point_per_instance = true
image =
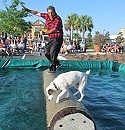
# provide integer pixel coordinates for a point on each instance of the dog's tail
(87, 72)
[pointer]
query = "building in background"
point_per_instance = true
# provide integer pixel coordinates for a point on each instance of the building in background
(35, 32)
(114, 36)
(123, 31)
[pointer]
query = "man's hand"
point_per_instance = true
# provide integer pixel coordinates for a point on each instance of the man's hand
(31, 11)
(24, 8)
(43, 32)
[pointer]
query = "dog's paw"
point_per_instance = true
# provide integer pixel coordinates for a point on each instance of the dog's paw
(57, 101)
(79, 100)
(67, 97)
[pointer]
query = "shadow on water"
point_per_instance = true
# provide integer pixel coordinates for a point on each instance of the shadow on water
(22, 104)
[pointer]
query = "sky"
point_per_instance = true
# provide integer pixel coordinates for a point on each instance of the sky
(107, 15)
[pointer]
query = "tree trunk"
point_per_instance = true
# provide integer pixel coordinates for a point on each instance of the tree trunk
(83, 33)
(71, 32)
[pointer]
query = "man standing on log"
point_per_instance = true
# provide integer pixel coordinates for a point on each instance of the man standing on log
(54, 29)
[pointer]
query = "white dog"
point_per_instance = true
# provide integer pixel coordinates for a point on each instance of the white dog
(64, 81)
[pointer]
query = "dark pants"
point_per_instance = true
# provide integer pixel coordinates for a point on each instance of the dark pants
(52, 49)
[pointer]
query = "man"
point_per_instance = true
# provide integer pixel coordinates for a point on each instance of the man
(54, 31)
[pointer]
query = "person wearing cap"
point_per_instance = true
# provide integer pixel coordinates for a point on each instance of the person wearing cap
(54, 29)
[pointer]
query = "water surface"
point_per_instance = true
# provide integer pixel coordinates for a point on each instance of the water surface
(22, 104)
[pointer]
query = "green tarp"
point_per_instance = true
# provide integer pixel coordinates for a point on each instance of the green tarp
(85, 64)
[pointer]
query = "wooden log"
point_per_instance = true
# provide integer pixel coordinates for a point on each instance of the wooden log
(67, 114)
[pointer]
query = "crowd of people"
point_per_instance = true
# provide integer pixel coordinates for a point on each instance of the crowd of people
(72, 47)
(113, 48)
(19, 45)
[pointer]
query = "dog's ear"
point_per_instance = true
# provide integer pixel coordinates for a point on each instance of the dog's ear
(87, 72)
(50, 91)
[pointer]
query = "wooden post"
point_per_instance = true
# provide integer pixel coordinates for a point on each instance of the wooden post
(68, 114)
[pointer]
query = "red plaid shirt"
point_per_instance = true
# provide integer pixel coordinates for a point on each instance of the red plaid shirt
(55, 23)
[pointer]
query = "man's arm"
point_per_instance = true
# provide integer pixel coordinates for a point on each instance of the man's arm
(31, 11)
(38, 14)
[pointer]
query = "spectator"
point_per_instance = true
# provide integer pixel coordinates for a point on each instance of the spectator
(2, 48)
(83, 46)
(108, 48)
(12, 47)
(20, 47)
(116, 48)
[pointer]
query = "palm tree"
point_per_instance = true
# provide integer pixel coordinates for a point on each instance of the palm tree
(77, 24)
(86, 24)
(119, 39)
(70, 23)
